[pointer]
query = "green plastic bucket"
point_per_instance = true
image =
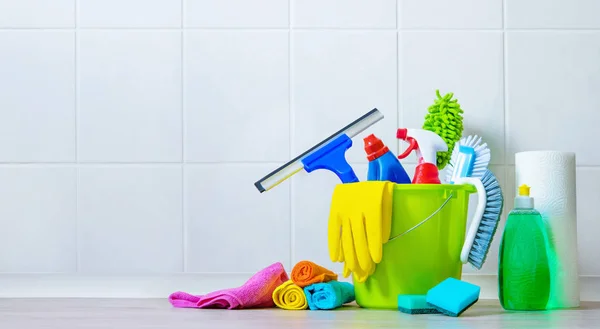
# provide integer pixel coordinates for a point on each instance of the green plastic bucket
(427, 236)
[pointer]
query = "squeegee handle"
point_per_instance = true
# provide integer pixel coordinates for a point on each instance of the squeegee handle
(332, 157)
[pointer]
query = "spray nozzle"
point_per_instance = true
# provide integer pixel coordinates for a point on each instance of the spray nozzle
(412, 146)
(402, 134)
(426, 144)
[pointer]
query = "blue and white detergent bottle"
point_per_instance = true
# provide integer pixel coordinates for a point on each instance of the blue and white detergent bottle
(383, 164)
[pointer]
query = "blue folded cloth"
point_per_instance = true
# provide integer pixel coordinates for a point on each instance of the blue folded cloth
(329, 295)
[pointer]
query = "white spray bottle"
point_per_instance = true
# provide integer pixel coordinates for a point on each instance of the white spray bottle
(426, 144)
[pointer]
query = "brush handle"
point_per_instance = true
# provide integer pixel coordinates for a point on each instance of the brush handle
(476, 220)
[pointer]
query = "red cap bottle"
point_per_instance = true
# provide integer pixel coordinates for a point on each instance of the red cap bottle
(374, 147)
(426, 173)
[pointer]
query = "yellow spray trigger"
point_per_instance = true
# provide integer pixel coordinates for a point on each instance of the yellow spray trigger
(359, 224)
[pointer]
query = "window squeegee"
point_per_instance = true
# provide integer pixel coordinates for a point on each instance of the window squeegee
(329, 154)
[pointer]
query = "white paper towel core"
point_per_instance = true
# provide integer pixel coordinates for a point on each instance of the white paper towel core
(552, 178)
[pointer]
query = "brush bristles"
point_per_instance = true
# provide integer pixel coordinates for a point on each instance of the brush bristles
(489, 221)
(471, 140)
(482, 157)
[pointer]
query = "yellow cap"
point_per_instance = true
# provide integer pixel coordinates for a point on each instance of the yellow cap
(524, 190)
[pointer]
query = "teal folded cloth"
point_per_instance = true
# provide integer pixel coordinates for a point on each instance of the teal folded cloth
(329, 295)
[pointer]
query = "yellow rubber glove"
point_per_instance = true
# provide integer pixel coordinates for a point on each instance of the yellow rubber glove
(359, 224)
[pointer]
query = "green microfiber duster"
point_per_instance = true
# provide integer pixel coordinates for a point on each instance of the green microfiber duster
(445, 119)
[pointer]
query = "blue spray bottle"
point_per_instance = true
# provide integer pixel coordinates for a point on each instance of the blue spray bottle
(383, 164)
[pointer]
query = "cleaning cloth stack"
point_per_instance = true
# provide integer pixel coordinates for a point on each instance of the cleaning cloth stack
(313, 286)
(310, 286)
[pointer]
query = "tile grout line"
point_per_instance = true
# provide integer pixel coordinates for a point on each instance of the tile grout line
(178, 164)
(218, 28)
(184, 226)
(505, 84)
(291, 136)
(76, 96)
(399, 80)
(397, 16)
(505, 167)
(143, 164)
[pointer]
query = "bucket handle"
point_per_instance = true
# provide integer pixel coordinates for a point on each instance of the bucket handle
(424, 220)
(481, 204)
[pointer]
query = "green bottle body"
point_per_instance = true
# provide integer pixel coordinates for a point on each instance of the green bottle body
(523, 269)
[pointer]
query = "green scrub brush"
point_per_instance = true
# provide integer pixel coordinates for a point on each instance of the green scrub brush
(445, 119)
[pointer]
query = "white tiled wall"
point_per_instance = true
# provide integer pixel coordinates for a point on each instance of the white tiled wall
(132, 131)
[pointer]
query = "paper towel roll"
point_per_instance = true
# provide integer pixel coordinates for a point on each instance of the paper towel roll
(552, 178)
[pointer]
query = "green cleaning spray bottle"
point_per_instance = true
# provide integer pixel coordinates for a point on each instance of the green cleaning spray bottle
(523, 270)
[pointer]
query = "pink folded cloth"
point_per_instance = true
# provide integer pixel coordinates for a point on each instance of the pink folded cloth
(257, 292)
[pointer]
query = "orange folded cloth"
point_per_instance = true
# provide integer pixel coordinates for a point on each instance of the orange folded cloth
(306, 273)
